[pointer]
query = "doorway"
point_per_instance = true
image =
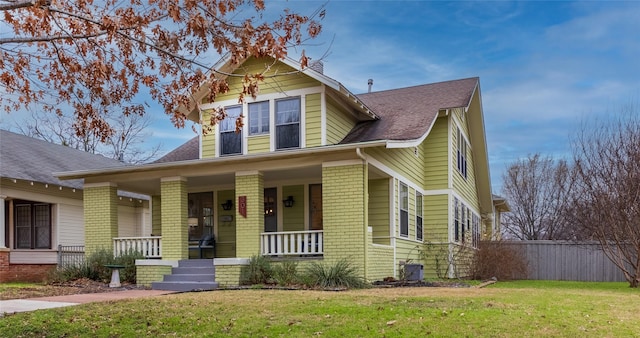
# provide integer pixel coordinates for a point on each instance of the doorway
(270, 210)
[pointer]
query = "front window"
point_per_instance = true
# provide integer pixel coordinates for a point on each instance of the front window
(419, 235)
(230, 140)
(32, 225)
(259, 118)
(288, 123)
(404, 210)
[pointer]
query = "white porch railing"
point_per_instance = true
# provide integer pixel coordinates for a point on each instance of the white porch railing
(150, 247)
(289, 243)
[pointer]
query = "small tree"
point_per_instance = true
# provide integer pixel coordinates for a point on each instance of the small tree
(537, 189)
(606, 202)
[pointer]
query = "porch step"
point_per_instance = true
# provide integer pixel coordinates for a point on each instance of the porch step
(185, 286)
(190, 275)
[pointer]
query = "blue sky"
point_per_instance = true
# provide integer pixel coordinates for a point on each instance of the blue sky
(544, 67)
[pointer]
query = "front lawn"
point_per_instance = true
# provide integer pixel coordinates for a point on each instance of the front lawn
(503, 310)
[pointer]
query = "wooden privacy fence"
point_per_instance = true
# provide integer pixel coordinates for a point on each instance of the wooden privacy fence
(563, 260)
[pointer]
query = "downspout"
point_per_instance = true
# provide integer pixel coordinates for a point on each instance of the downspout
(361, 155)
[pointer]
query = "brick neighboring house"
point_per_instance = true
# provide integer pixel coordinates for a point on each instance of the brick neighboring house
(38, 211)
(317, 173)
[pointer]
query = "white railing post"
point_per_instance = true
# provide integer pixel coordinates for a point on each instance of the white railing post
(285, 243)
(150, 247)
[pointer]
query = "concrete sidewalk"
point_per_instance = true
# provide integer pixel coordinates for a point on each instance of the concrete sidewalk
(32, 304)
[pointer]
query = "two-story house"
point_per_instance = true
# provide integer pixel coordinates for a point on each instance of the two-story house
(315, 173)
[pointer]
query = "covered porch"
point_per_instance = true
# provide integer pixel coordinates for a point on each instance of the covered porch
(302, 207)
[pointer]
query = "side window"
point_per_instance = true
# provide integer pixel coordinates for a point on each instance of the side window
(288, 123)
(456, 220)
(404, 210)
(419, 235)
(230, 141)
(259, 118)
(462, 154)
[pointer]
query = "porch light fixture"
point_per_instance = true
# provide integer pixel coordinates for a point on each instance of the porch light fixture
(288, 203)
(227, 205)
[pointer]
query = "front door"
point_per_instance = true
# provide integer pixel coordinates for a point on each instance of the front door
(200, 219)
(270, 210)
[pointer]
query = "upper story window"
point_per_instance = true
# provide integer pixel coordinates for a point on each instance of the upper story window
(230, 141)
(404, 210)
(287, 123)
(259, 118)
(462, 154)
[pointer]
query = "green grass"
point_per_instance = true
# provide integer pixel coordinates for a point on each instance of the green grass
(17, 285)
(507, 309)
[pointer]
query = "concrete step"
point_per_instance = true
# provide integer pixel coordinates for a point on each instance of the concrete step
(189, 278)
(184, 286)
(205, 263)
(193, 271)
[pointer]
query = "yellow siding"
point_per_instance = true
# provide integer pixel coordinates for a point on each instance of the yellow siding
(435, 150)
(339, 123)
(258, 144)
(208, 143)
(272, 84)
(293, 218)
(226, 234)
(313, 120)
(379, 216)
(407, 252)
(403, 161)
(464, 187)
(436, 223)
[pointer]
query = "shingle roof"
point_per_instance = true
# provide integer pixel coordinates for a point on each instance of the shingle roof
(407, 113)
(188, 151)
(26, 158)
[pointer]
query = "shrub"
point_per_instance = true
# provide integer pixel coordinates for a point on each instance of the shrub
(94, 268)
(286, 273)
(500, 260)
(128, 260)
(340, 275)
(259, 271)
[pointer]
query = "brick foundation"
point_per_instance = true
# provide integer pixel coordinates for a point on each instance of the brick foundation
(22, 272)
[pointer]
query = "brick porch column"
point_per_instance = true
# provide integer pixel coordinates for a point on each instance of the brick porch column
(100, 216)
(248, 229)
(345, 212)
(173, 210)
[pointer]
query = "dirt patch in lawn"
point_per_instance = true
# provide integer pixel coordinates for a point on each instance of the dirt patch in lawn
(79, 286)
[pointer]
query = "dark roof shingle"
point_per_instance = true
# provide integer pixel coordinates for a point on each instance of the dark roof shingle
(407, 113)
(26, 158)
(187, 151)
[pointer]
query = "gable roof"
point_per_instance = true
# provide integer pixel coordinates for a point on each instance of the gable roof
(30, 159)
(187, 151)
(408, 113)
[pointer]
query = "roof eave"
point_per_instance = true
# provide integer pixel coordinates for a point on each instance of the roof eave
(69, 175)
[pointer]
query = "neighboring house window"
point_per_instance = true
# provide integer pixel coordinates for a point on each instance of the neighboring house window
(419, 235)
(404, 210)
(230, 141)
(32, 225)
(462, 154)
(456, 220)
(259, 118)
(288, 123)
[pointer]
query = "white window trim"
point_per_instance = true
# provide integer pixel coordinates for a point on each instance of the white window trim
(400, 209)
(420, 215)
